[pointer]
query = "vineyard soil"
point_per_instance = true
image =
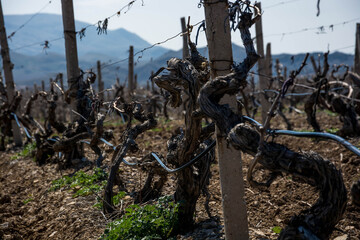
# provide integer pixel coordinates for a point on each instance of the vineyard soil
(29, 210)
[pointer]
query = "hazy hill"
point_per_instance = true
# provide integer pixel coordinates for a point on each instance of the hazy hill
(33, 64)
(33, 69)
(114, 44)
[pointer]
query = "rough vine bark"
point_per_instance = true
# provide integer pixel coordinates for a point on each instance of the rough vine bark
(314, 223)
(128, 142)
(187, 76)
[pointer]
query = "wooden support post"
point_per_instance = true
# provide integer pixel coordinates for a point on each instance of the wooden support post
(152, 83)
(27, 92)
(263, 81)
(268, 60)
(73, 73)
(64, 105)
(185, 53)
(100, 82)
(51, 87)
(131, 72)
(278, 68)
(232, 183)
(43, 102)
(135, 82)
(36, 107)
(148, 85)
(357, 50)
(9, 79)
(61, 81)
(279, 76)
(72, 63)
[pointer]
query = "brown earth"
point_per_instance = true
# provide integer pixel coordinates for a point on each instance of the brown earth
(28, 210)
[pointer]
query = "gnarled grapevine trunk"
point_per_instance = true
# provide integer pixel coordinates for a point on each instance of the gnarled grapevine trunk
(147, 122)
(187, 76)
(314, 223)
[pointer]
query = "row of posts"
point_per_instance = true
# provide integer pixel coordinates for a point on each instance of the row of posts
(219, 46)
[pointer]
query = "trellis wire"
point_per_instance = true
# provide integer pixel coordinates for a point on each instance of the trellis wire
(82, 30)
(320, 28)
(24, 24)
(147, 48)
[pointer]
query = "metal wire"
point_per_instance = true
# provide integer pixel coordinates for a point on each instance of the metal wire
(25, 23)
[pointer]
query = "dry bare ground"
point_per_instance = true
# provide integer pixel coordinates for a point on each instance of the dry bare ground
(28, 210)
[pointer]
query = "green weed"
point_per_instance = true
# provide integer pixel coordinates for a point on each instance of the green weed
(156, 221)
(115, 199)
(28, 200)
(330, 113)
(276, 229)
(81, 183)
(26, 152)
(156, 130)
(332, 130)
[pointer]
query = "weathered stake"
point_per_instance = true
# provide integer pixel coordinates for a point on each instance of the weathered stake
(131, 72)
(100, 82)
(262, 68)
(152, 83)
(232, 184)
(9, 79)
(268, 60)
(64, 107)
(357, 50)
(72, 63)
(185, 53)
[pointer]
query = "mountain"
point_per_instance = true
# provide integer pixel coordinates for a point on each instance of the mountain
(33, 64)
(291, 61)
(114, 44)
(32, 69)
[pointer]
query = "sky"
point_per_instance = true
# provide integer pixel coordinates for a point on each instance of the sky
(157, 20)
